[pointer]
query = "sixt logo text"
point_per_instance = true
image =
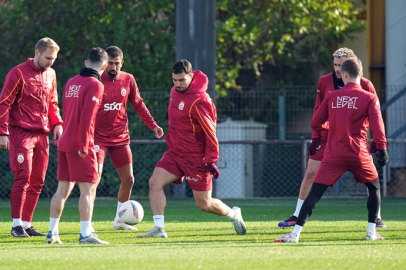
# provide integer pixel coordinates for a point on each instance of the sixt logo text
(112, 106)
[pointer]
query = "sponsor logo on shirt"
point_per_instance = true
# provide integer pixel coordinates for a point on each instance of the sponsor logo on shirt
(181, 105)
(20, 158)
(123, 92)
(95, 99)
(112, 106)
(73, 91)
(345, 102)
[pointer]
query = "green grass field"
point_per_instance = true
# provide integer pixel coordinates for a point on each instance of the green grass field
(333, 238)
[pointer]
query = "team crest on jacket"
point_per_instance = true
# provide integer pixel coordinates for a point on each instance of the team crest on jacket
(20, 158)
(181, 105)
(123, 92)
(97, 148)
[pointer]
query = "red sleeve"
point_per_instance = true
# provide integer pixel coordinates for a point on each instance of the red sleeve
(53, 113)
(376, 123)
(91, 104)
(12, 86)
(319, 99)
(139, 106)
(207, 115)
(320, 116)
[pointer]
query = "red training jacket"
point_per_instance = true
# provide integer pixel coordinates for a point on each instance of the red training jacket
(192, 121)
(81, 100)
(325, 85)
(350, 111)
(111, 120)
(29, 99)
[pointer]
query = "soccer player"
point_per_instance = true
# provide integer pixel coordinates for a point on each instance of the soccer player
(349, 111)
(330, 82)
(76, 154)
(28, 112)
(193, 150)
(112, 134)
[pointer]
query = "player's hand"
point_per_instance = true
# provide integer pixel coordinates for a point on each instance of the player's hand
(4, 142)
(374, 148)
(159, 132)
(382, 157)
(314, 145)
(213, 169)
(58, 130)
(81, 154)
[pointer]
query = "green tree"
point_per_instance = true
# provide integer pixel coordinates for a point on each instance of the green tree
(278, 37)
(143, 29)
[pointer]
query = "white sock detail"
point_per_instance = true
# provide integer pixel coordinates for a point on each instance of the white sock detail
(119, 204)
(26, 224)
(379, 213)
(159, 221)
(54, 225)
(297, 229)
(371, 227)
(85, 228)
(298, 207)
(231, 214)
(17, 222)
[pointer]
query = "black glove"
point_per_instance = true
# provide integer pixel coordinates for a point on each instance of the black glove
(382, 157)
(214, 170)
(314, 145)
(374, 148)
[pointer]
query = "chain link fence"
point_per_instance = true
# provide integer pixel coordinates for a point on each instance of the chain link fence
(263, 135)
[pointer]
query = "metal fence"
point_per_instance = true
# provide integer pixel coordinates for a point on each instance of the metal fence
(263, 138)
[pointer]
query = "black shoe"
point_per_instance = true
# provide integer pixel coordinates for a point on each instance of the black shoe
(18, 231)
(379, 223)
(31, 231)
(291, 221)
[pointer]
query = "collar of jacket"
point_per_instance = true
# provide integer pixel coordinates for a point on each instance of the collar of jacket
(88, 72)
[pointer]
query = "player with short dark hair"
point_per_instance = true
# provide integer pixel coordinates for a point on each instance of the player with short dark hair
(327, 83)
(349, 112)
(112, 135)
(193, 150)
(76, 154)
(28, 112)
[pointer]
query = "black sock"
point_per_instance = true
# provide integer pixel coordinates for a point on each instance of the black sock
(374, 200)
(314, 196)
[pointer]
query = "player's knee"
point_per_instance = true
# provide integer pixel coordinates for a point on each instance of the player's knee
(203, 206)
(128, 181)
(373, 186)
(154, 183)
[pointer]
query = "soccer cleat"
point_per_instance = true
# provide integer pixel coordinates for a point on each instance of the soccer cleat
(289, 238)
(53, 238)
(118, 225)
(155, 232)
(289, 222)
(238, 222)
(372, 236)
(91, 239)
(18, 231)
(31, 231)
(380, 224)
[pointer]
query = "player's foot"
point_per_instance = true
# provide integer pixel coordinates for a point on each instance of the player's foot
(31, 231)
(238, 222)
(289, 238)
(118, 225)
(156, 232)
(53, 238)
(291, 221)
(18, 231)
(380, 224)
(91, 239)
(372, 236)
